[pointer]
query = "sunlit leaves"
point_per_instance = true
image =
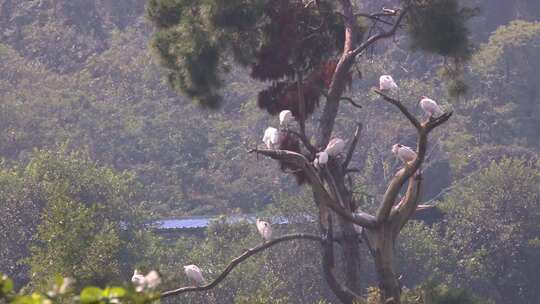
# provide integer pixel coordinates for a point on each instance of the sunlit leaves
(88, 295)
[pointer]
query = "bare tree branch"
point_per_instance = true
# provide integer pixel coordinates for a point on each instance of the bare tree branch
(354, 104)
(374, 17)
(433, 123)
(362, 219)
(284, 155)
(390, 195)
(420, 208)
(405, 173)
(382, 35)
(305, 141)
(235, 262)
(402, 108)
(352, 147)
(409, 204)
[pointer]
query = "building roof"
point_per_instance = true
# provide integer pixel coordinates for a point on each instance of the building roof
(198, 222)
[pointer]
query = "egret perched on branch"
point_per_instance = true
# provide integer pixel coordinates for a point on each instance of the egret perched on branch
(321, 159)
(285, 117)
(335, 147)
(406, 154)
(265, 230)
(271, 138)
(151, 280)
(430, 107)
(194, 273)
(387, 83)
(137, 278)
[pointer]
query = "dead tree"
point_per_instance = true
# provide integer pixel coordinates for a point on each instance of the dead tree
(332, 191)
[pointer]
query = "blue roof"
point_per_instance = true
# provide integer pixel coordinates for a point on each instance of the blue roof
(185, 223)
(203, 222)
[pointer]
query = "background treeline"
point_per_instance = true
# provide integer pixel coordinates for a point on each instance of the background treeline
(94, 145)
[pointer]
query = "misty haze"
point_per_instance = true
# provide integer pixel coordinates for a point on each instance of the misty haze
(270, 151)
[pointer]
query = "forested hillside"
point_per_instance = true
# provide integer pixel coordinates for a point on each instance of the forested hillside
(81, 74)
(91, 129)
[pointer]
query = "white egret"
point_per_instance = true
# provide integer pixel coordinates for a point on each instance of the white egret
(406, 154)
(285, 117)
(137, 278)
(387, 83)
(321, 159)
(335, 147)
(271, 138)
(152, 279)
(194, 273)
(265, 230)
(430, 107)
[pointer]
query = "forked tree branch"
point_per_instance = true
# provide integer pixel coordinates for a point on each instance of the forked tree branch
(402, 108)
(362, 219)
(301, 162)
(390, 195)
(352, 147)
(235, 262)
(382, 35)
(405, 173)
(408, 206)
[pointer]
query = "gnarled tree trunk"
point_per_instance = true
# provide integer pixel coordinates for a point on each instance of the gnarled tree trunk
(381, 245)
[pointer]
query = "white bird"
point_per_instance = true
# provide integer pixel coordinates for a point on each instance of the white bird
(387, 83)
(406, 154)
(285, 117)
(321, 159)
(194, 273)
(335, 147)
(137, 278)
(430, 107)
(152, 279)
(271, 138)
(265, 230)
(358, 229)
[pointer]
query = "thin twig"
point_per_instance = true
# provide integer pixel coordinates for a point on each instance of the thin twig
(235, 262)
(354, 104)
(373, 39)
